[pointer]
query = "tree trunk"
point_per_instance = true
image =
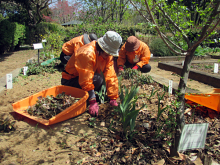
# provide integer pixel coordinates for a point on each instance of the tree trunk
(180, 110)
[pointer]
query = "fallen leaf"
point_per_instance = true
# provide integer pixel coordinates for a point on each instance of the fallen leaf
(182, 156)
(133, 150)
(160, 162)
(187, 110)
(118, 137)
(102, 124)
(126, 157)
(197, 161)
(82, 140)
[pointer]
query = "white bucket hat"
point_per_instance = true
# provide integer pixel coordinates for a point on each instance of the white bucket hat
(110, 43)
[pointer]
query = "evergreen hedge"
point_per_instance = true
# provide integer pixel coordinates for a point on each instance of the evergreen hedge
(12, 35)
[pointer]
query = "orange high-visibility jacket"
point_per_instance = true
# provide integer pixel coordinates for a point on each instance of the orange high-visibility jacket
(73, 45)
(85, 63)
(140, 57)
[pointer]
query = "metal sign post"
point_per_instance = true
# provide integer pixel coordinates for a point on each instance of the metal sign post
(38, 46)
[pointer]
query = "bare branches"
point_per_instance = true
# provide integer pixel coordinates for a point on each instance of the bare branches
(173, 23)
(163, 36)
(140, 12)
(205, 32)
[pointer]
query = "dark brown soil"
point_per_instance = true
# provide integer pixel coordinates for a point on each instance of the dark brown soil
(206, 67)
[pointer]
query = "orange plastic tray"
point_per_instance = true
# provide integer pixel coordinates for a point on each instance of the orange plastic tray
(74, 110)
(211, 101)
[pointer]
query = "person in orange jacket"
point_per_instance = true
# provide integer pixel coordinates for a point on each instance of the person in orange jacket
(134, 54)
(84, 68)
(69, 48)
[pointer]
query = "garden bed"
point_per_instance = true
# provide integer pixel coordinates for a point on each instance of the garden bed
(88, 140)
(196, 73)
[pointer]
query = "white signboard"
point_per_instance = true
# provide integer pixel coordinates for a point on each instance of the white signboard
(38, 46)
(9, 81)
(193, 136)
(170, 87)
(25, 68)
(215, 67)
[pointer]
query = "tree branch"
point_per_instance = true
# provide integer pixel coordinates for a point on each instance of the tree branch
(215, 12)
(163, 36)
(173, 23)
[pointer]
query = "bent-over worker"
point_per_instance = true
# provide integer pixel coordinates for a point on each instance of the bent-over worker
(84, 68)
(134, 54)
(70, 47)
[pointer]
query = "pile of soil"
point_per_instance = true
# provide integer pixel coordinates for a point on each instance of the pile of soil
(50, 106)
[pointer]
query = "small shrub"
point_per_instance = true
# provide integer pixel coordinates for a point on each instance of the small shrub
(6, 125)
(12, 35)
(143, 79)
(36, 69)
(129, 73)
(54, 43)
(200, 51)
(159, 48)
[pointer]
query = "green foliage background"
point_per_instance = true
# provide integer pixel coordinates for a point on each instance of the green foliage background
(12, 34)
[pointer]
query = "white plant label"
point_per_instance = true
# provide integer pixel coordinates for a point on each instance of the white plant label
(52, 56)
(215, 40)
(182, 63)
(29, 61)
(9, 81)
(44, 40)
(151, 55)
(193, 136)
(25, 68)
(38, 46)
(170, 87)
(215, 67)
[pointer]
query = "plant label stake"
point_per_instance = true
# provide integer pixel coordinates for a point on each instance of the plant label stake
(9, 81)
(38, 46)
(29, 61)
(52, 56)
(44, 40)
(170, 89)
(182, 63)
(25, 68)
(215, 67)
(151, 55)
(193, 136)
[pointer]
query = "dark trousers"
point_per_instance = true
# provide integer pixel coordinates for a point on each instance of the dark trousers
(145, 68)
(74, 82)
(64, 58)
